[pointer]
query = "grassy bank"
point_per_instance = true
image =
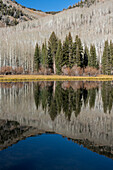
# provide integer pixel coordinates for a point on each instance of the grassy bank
(18, 78)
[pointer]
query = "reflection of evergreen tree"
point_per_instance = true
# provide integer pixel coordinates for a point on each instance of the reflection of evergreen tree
(53, 109)
(78, 102)
(85, 96)
(107, 96)
(92, 97)
(69, 100)
(44, 95)
(58, 96)
(37, 94)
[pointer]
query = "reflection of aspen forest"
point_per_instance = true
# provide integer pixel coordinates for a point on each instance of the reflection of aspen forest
(57, 96)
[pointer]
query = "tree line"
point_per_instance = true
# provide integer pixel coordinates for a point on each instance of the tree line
(55, 55)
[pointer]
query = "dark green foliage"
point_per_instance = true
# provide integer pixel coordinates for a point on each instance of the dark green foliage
(79, 52)
(58, 60)
(85, 57)
(52, 49)
(44, 55)
(65, 60)
(111, 53)
(37, 58)
(107, 58)
(70, 49)
(74, 53)
(92, 62)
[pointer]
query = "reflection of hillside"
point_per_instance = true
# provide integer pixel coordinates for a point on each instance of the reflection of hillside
(102, 150)
(11, 132)
(75, 111)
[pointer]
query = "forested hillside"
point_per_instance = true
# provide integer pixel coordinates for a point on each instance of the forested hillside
(12, 13)
(93, 24)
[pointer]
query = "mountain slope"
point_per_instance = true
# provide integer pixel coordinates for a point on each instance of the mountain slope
(12, 13)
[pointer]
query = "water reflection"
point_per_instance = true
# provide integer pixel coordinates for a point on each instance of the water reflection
(72, 96)
(80, 111)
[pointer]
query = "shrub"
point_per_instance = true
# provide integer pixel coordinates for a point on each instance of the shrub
(66, 70)
(76, 71)
(90, 71)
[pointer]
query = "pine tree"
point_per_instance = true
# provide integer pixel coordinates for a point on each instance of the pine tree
(106, 59)
(74, 53)
(79, 52)
(86, 56)
(111, 54)
(109, 61)
(44, 55)
(37, 58)
(52, 48)
(93, 57)
(70, 46)
(59, 55)
(66, 52)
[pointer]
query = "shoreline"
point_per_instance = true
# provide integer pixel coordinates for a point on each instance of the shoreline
(24, 78)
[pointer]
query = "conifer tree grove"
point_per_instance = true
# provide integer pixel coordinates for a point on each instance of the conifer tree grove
(56, 54)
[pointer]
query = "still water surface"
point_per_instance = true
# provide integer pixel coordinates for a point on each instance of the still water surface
(56, 125)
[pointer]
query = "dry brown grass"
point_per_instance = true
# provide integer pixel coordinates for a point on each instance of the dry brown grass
(13, 78)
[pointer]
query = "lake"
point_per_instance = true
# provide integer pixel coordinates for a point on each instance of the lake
(56, 125)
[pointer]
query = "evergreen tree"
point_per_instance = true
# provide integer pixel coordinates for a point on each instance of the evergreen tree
(65, 60)
(52, 49)
(44, 55)
(108, 62)
(74, 53)
(79, 52)
(104, 58)
(93, 57)
(37, 58)
(86, 56)
(107, 58)
(59, 55)
(111, 54)
(70, 46)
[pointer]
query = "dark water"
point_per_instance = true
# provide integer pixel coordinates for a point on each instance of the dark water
(56, 125)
